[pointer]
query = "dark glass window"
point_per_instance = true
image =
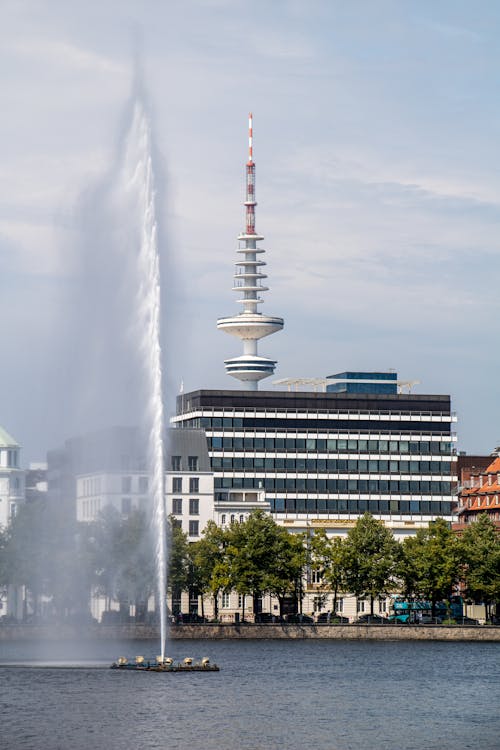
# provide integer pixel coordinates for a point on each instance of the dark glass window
(176, 484)
(177, 506)
(194, 506)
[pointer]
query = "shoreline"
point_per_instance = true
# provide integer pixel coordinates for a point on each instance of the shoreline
(248, 631)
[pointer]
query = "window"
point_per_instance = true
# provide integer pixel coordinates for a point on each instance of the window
(241, 601)
(242, 518)
(317, 604)
(194, 484)
(194, 528)
(340, 605)
(232, 518)
(143, 484)
(223, 519)
(176, 484)
(192, 463)
(225, 600)
(126, 484)
(176, 463)
(126, 505)
(360, 606)
(316, 576)
(177, 506)
(194, 506)
(382, 605)
(177, 523)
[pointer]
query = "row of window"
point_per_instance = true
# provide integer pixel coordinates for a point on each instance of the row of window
(193, 526)
(9, 458)
(330, 465)
(327, 445)
(177, 484)
(194, 506)
(90, 508)
(232, 518)
(301, 484)
(192, 463)
(322, 505)
(294, 423)
(142, 484)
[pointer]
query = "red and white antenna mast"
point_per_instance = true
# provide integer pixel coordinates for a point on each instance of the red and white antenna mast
(250, 201)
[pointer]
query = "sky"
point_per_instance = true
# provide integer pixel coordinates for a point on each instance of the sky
(376, 149)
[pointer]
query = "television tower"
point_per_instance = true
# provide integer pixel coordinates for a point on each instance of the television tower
(250, 325)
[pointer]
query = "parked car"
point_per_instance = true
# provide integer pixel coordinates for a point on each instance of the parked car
(371, 620)
(191, 618)
(428, 620)
(329, 617)
(299, 619)
(267, 617)
(466, 621)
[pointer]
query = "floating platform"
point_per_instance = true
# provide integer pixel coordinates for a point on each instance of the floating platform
(140, 664)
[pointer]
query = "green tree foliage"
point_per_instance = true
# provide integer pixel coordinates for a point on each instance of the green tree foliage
(328, 558)
(209, 561)
(479, 549)
(285, 575)
(178, 576)
(119, 555)
(370, 556)
(252, 555)
(429, 564)
(44, 555)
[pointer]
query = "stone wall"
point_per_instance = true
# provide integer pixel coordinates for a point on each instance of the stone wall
(248, 631)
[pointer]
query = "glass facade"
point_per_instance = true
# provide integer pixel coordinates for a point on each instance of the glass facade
(390, 455)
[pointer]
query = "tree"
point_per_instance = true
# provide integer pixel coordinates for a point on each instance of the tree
(251, 553)
(178, 561)
(328, 559)
(429, 563)
(120, 558)
(479, 549)
(370, 557)
(208, 560)
(288, 567)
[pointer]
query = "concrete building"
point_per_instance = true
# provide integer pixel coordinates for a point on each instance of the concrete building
(109, 469)
(323, 459)
(11, 478)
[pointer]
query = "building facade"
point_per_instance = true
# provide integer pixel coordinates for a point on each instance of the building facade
(480, 493)
(11, 478)
(323, 459)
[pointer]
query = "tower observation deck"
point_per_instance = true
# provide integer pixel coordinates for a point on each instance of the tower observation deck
(250, 325)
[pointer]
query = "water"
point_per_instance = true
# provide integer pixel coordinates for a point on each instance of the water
(327, 695)
(138, 181)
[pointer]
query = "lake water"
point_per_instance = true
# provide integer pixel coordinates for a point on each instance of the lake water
(321, 695)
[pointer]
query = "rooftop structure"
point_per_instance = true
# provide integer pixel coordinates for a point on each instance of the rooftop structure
(250, 325)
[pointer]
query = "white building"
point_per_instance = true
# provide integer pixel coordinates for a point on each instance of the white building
(11, 478)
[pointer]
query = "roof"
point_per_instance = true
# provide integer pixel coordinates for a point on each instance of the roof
(6, 440)
(494, 467)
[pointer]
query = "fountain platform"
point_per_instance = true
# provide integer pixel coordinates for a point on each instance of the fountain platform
(140, 664)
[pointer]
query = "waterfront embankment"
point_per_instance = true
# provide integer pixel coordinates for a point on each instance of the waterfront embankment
(214, 631)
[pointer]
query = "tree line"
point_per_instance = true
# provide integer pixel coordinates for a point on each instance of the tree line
(114, 557)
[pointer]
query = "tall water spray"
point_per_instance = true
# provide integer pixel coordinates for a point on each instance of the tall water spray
(139, 183)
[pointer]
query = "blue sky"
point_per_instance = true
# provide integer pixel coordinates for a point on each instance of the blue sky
(375, 138)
